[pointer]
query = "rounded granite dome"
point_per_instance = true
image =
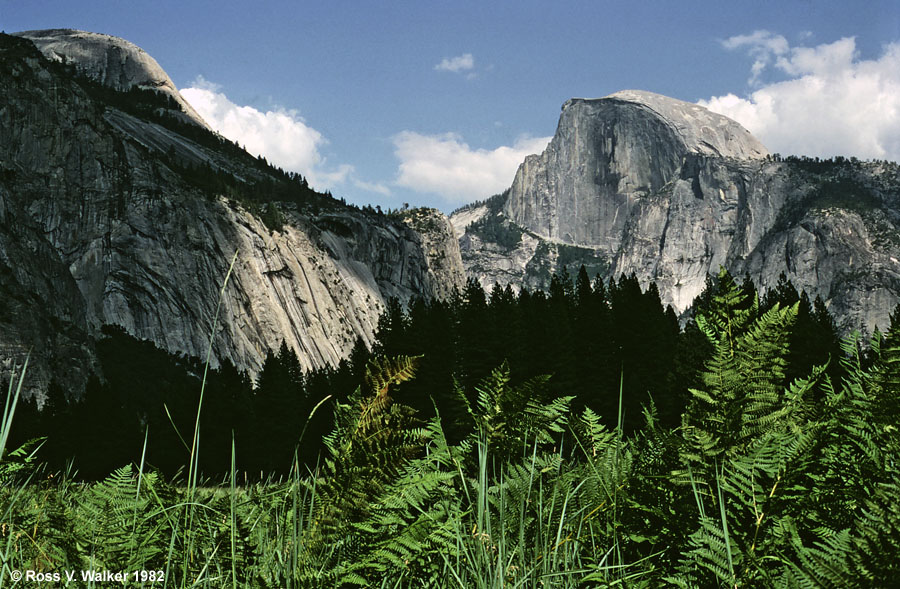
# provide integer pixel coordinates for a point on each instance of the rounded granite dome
(112, 61)
(701, 130)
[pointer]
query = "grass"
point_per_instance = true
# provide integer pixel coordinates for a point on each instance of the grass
(515, 524)
(535, 496)
(511, 509)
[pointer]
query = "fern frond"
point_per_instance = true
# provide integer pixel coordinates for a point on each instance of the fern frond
(383, 372)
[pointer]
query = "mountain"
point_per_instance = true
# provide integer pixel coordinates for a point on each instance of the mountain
(640, 183)
(114, 62)
(118, 206)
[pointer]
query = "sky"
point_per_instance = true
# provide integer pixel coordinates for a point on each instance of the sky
(437, 103)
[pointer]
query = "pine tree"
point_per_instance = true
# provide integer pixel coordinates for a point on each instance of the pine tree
(390, 334)
(277, 407)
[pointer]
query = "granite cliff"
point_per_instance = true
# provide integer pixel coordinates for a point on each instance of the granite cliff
(111, 61)
(119, 206)
(640, 183)
(125, 209)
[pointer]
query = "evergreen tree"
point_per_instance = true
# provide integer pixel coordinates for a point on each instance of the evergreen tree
(475, 335)
(277, 407)
(641, 329)
(784, 294)
(226, 415)
(592, 340)
(391, 331)
(110, 436)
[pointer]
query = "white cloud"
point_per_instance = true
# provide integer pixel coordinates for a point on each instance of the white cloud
(373, 187)
(326, 178)
(446, 166)
(763, 46)
(829, 102)
(280, 135)
(457, 64)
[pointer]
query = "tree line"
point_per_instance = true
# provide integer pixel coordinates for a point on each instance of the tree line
(609, 344)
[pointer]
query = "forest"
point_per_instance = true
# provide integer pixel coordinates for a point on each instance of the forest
(585, 335)
(578, 437)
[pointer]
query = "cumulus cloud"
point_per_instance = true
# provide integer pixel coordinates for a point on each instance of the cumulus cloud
(828, 102)
(279, 135)
(446, 166)
(457, 64)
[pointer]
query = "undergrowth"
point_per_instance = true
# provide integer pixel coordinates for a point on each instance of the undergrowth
(761, 486)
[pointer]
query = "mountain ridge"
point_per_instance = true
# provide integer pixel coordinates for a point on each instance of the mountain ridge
(111, 61)
(119, 208)
(620, 189)
(702, 130)
(133, 216)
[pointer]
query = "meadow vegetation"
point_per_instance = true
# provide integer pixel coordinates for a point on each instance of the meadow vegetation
(770, 477)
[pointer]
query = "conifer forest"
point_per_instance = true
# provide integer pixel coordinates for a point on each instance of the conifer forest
(579, 437)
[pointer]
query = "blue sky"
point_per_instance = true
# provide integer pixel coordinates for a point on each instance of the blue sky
(435, 103)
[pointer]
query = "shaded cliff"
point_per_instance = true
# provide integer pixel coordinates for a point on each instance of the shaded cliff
(637, 182)
(116, 212)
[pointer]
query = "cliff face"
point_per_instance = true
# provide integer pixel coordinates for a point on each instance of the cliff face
(111, 61)
(609, 153)
(104, 223)
(637, 182)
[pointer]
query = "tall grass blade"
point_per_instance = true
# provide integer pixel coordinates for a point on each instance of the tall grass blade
(9, 408)
(194, 463)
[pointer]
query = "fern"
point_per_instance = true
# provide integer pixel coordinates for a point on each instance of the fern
(411, 524)
(371, 443)
(749, 443)
(743, 398)
(730, 312)
(123, 527)
(876, 538)
(767, 484)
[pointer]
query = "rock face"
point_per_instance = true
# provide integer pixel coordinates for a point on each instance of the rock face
(637, 182)
(103, 223)
(609, 153)
(114, 62)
